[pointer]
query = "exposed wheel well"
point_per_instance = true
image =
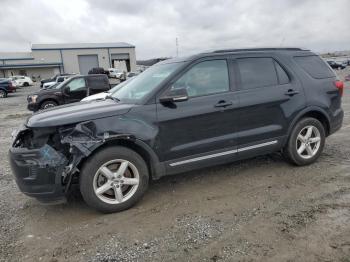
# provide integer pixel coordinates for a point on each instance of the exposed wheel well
(320, 117)
(128, 144)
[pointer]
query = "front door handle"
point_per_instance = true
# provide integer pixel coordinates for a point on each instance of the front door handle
(223, 103)
(291, 92)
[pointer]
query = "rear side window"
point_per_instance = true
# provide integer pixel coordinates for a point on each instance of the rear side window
(257, 72)
(314, 66)
(97, 82)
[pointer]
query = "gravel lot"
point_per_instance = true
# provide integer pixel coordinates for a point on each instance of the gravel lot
(261, 209)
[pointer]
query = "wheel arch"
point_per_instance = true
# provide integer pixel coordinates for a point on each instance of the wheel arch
(48, 99)
(155, 168)
(314, 112)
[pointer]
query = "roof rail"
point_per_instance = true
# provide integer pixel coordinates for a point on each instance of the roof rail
(261, 49)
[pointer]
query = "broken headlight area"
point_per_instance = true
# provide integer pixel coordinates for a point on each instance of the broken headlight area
(40, 162)
(45, 160)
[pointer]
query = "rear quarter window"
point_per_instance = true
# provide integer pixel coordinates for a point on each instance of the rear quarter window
(314, 66)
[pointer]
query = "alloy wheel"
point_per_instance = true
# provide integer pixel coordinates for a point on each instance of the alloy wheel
(116, 181)
(308, 142)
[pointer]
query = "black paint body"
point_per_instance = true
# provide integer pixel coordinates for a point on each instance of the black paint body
(199, 132)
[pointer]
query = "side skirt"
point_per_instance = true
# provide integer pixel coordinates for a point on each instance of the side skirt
(223, 156)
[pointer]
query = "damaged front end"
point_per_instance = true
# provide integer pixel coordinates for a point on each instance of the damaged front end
(38, 162)
(45, 160)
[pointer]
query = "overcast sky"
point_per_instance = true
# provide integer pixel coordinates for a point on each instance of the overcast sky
(153, 25)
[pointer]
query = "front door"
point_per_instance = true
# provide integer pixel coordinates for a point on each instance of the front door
(203, 126)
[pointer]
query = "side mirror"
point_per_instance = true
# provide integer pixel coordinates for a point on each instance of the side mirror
(66, 90)
(175, 95)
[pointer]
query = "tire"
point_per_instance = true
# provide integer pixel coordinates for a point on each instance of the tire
(91, 179)
(3, 94)
(309, 149)
(47, 104)
(25, 84)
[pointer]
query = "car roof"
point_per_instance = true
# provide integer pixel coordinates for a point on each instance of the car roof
(286, 50)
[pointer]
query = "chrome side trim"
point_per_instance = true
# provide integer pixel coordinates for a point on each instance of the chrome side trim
(257, 146)
(223, 153)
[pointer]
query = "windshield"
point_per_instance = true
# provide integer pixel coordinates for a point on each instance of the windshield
(116, 87)
(145, 83)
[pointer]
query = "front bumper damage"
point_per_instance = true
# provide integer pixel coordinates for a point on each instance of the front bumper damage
(45, 160)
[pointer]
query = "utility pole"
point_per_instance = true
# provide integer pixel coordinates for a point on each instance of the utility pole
(177, 47)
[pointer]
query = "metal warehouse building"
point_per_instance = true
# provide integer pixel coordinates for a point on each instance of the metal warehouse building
(46, 60)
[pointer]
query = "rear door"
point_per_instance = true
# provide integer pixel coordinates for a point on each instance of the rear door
(269, 96)
(75, 90)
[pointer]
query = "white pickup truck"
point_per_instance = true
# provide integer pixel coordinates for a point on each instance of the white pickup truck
(59, 79)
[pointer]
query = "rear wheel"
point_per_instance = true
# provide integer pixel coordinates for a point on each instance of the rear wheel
(48, 104)
(306, 142)
(25, 84)
(3, 94)
(114, 179)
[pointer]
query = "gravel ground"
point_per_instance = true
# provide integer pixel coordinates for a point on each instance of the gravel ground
(261, 209)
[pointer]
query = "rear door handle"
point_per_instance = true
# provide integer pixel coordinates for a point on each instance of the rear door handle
(223, 103)
(291, 92)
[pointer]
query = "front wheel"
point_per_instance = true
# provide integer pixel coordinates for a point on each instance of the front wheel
(306, 142)
(3, 94)
(48, 104)
(25, 84)
(114, 179)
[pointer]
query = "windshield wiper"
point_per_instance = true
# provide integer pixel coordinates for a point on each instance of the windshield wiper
(109, 96)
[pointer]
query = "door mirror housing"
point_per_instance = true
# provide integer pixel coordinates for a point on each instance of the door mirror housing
(175, 95)
(66, 90)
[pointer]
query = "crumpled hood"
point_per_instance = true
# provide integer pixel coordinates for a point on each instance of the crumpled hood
(77, 112)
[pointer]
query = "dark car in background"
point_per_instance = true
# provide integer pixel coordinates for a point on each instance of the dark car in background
(179, 115)
(6, 86)
(72, 90)
(98, 70)
(337, 64)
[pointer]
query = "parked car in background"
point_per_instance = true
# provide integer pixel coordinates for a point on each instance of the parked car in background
(6, 86)
(131, 74)
(115, 73)
(70, 91)
(104, 95)
(98, 70)
(58, 80)
(179, 115)
(52, 79)
(337, 64)
(22, 80)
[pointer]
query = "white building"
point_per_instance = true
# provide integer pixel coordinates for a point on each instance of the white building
(46, 60)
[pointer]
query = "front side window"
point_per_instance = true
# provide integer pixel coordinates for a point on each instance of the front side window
(257, 72)
(205, 78)
(76, 85)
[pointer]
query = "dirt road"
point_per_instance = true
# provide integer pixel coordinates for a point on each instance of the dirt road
(261, 209)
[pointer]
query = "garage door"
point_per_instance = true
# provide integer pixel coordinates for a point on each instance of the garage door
(86, 62)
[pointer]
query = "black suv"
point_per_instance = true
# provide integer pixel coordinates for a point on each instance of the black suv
(72, 90)
(178, 115)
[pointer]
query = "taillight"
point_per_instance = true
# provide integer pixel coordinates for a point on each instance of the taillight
(340, 85)
(10, 84)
